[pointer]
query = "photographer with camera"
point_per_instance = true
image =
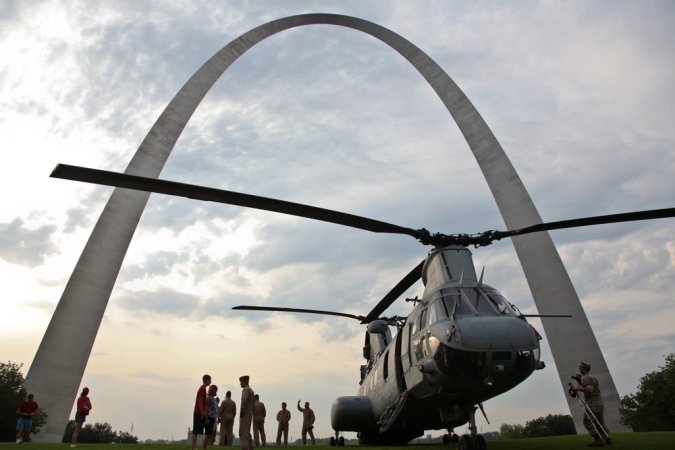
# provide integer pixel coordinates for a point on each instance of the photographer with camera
(592, 404)
(307, 423)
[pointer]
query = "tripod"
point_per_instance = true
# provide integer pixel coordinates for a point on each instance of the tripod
(597, 426)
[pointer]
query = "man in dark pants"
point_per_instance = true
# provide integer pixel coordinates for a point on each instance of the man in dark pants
(591, 388)
(199, 417)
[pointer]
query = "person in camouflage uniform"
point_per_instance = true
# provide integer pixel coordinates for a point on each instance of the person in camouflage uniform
(259, 414)
(246, 413)
(591, 388)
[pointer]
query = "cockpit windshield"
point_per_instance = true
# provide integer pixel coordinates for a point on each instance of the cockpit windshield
(475, 301)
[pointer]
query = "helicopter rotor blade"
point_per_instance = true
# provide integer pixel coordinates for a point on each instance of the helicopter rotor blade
(398, 290)
(298, 310)
(587, 221)
(545, 315)
(116, 179)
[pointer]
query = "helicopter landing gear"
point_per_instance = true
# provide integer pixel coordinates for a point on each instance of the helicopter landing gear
(450, 436)
(473, 441)
(468, 442)
(337, 440)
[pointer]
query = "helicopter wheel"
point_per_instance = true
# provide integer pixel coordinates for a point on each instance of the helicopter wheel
(446, 438)
(341, 441)
(479, 443)
(465, 442)
(454, 438)
(332, 442)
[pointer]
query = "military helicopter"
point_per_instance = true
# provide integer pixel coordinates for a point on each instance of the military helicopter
(462, 344)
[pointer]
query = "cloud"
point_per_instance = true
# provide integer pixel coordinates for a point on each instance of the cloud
(25, 246)
(579, 97)
(161, 301)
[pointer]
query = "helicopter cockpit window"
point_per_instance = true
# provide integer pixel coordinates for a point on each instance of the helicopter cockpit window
(499, 302)
(482, 304)
(457, 304)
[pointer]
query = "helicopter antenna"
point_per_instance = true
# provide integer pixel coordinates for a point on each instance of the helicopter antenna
(413, 300)
(480, 281)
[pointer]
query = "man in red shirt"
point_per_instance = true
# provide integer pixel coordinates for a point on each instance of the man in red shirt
(199, 417)
(25, 411)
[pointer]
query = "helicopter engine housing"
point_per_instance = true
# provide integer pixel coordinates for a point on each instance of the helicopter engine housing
(352, 413)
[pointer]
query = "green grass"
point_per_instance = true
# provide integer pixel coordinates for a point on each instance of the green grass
(621, 441)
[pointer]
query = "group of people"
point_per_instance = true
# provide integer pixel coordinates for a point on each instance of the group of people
(29, 407)
(208, 414)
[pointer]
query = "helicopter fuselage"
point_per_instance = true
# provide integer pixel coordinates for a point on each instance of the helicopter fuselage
(462, 344)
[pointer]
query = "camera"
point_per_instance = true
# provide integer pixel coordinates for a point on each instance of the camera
(571, 390)
(577, 377)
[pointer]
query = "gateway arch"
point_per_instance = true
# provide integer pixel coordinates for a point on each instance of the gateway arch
(59, 364)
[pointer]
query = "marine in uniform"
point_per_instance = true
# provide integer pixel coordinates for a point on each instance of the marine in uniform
(307, 423)
(591, 388)
(259, 414)
(246, 413)
(227, 413)
(283, 417)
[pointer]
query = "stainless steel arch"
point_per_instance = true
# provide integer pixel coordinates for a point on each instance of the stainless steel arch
(59, 363)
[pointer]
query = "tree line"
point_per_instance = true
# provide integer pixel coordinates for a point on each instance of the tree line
(12, 393)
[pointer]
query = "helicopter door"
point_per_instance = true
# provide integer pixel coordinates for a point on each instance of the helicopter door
(398, 361)
(406, 346)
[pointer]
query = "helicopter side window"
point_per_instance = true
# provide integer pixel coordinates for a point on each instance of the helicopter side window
(424, 319)
(415, 325)
(441, 308)
(432, 315)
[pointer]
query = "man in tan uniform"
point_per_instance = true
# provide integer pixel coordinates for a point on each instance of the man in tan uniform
(283, 417)
(246, 413)
(591, 388)
(227, 413)
(259, 414)
(307, 423)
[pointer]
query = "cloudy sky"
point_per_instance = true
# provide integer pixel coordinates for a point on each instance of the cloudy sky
(578, 93)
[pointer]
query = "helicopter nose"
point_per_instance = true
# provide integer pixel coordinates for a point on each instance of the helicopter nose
(487, 333)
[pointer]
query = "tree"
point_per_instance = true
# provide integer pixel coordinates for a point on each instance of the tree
(124, 437)
(12, 393)
(652, 407)
(507, 431)
(98, 433)
(551, 425)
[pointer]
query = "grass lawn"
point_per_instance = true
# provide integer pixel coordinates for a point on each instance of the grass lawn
(621, 441)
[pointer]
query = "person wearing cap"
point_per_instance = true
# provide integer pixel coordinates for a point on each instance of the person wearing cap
(307, 423)
(199, 417)
(283, 417)
(246, 413)
(25, 411)
(228, 411)
(259, 414)
(83, 408)
(591, 388)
